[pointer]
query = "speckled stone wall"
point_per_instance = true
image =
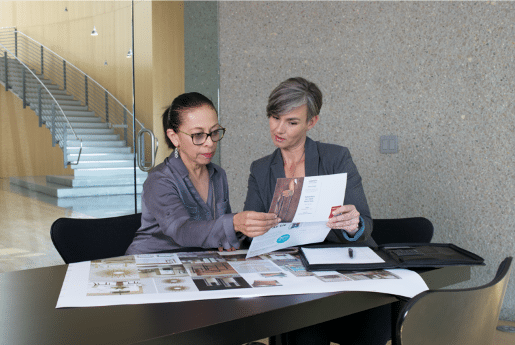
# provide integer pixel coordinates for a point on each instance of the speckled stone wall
(201, 65)
(439, 75)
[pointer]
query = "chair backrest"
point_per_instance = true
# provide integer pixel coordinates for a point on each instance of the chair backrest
(91, 239)
(461, 316)
(402, 230)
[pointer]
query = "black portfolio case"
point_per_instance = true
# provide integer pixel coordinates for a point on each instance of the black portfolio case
(401, 255)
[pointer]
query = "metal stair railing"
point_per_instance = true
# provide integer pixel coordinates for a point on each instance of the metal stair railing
(90, 93)
(59, 133)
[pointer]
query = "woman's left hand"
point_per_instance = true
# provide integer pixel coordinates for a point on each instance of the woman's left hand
(346, 218)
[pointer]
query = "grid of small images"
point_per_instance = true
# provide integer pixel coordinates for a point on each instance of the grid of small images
(178, 273)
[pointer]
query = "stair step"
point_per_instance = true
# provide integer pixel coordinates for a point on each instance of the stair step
(83, 130)
(35, 102)
(17, 73)
(98, 137)
(99, 143)
(100, 156)
(75, 125)
(58, 119)
(99, 149)
(79, 113)
(54, 90)
(60, 191)
(94, 206)
(31, 84)
(100, 164)
(71, 181)
(107, 172)
(58, 91)
(64, 107)
(34, 95)
(48, 112)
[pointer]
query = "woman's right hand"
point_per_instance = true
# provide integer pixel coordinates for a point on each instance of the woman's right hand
(254, 224)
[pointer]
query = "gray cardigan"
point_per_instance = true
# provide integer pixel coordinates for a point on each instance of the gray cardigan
(175, 216)
(321, 159)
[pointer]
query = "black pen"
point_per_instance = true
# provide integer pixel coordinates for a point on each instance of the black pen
(351, 253)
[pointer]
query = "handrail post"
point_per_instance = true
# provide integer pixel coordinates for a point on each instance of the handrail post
(40, 106)
(42, 63)
(24, 88)
(125, 126)
(107, 106)
(86, 89)
(65, 143)
(64, 75)
(16, 43)
(6, 72)
(53, 125)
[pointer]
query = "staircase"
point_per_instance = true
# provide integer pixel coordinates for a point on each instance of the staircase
(102, 161)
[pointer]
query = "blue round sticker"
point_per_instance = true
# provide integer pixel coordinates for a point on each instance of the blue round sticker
(283, 238)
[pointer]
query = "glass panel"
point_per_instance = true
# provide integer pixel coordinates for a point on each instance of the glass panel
(27, 215)
(30, 203)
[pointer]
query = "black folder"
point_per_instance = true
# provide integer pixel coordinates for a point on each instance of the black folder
(401, 255)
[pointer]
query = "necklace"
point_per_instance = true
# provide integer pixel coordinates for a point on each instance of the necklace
(293, 167)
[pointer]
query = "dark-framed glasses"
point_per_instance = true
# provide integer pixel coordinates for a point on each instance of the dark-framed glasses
(200, 138)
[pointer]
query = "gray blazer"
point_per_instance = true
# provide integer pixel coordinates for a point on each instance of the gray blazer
(321, 159)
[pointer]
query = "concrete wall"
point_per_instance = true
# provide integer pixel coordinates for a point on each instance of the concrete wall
(439, 75)
(201, 51)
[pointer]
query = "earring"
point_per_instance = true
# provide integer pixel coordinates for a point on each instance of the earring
(176, 152)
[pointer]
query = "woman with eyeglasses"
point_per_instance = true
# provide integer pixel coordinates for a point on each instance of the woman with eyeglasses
(185, 199)
(293, 109)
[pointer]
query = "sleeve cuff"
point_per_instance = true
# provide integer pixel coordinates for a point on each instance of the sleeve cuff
(231, 240)
(358, 233)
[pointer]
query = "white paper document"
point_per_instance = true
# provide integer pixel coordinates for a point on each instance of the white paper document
(189, 276)
(340, 255)
(304, 205)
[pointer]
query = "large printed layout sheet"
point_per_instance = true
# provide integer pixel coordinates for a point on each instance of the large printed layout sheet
(304, 205)
(160, 278)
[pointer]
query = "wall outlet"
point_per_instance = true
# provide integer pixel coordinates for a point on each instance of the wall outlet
(389, 144)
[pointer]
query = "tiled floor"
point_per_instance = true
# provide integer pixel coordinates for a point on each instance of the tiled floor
(25, 220)
(25, 231)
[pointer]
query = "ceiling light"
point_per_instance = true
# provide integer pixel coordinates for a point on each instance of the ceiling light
(94, 32)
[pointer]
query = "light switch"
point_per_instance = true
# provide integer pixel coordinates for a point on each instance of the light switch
(388, 144)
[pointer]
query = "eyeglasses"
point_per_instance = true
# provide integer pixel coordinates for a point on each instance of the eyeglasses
(200, 138)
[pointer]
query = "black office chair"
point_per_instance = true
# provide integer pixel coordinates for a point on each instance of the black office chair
(460, 316)
(402, 230)
(358, 330)
(91, 239)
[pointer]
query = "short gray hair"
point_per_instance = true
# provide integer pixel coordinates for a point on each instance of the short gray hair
(293, 93)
